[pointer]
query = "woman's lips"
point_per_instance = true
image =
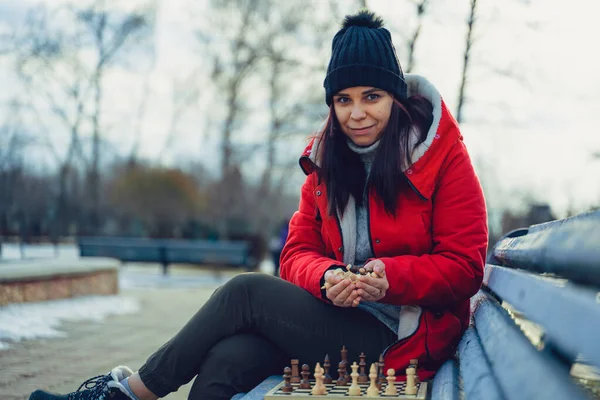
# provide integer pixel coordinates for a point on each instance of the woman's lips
(362, 131)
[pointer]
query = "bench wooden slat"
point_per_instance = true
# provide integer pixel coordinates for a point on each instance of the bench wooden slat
(568, 248)
(445, 383)
(523, 372)
(235, 254)
(122, 252)
(569, 314)
(479, 381)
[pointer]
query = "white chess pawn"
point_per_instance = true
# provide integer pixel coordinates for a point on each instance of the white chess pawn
(391, 379)
(354, 389)
(319, 388)
(373, 390)
(411, 388)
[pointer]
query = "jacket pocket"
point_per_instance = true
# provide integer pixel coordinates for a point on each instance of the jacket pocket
(443, 333)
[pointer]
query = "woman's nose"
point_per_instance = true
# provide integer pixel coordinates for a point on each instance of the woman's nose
(358, 112)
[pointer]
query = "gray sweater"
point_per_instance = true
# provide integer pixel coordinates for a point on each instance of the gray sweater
(387, 313)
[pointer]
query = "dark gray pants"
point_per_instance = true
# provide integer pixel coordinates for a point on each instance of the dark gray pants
(249, 329)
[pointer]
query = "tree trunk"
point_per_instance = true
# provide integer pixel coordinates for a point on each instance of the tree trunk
(95, 167)
(421, 8)
(467, 55)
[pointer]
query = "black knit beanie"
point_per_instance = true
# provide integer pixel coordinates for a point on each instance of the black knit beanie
(362, 54)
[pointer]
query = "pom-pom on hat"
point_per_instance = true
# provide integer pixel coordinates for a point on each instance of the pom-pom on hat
(362, 54)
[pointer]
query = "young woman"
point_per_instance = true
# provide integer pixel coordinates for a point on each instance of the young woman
(390, 187)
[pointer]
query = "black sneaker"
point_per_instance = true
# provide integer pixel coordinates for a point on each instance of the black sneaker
(101, 387)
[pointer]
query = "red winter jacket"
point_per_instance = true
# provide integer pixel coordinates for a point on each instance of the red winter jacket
(434, 250)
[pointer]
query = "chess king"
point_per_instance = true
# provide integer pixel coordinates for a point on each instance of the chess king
(389, 188)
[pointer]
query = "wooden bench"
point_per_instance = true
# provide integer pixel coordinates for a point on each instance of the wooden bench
(535, 318)
(170, 251)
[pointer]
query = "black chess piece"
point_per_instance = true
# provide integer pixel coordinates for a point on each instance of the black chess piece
(305, 384)
(295, 371)
(341, 380)
(344, 354)
(362, 373)
(327, 379)
(287, 376)
(381, 373)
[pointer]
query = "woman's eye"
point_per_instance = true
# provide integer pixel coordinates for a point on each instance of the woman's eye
(343, 100)
(373, 96)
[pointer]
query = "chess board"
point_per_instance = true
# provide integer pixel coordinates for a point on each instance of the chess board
(342, 391)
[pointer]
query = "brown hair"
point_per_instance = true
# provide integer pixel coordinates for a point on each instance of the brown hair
(343, 172)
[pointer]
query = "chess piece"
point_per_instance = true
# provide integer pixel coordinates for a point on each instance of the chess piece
(391, 390)
(411, 388)
(345, 360)
(381, 373)
(287, 376)
(344, 353)
(354, 389)
(362, 375)
(327, 378)
(373, 390)
(305, 384)
(414, 363)
(319, 388)
(341, 380)
(295, 372)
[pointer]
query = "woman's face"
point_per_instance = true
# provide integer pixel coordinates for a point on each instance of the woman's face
(363, 113)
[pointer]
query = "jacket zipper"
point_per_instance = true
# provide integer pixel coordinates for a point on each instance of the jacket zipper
(339, 225)
(369, 225)
(398, 342)
(415, 189)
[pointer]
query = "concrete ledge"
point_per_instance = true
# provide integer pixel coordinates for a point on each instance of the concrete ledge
(41, 280)
(51, 268)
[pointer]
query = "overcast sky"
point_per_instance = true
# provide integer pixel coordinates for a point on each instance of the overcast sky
(533, 111)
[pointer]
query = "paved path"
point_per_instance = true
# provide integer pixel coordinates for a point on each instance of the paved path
(90, 349)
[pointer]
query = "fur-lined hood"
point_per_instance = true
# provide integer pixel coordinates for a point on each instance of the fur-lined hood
(428, 156)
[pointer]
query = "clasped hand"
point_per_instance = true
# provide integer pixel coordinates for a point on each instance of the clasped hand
(345, 293)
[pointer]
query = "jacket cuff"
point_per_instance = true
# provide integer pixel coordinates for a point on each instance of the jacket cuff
(396, 280)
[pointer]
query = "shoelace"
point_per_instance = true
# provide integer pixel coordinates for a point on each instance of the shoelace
(95, 387)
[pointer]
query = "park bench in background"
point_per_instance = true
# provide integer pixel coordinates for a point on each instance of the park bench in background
(170, 251)
(536, 318)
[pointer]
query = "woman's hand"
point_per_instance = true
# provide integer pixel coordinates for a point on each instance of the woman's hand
(372, 288)
(342, 292)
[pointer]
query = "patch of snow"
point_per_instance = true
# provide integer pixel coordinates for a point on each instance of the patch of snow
(130, 280)
(42, 320)
(135, 276)
(13, 251)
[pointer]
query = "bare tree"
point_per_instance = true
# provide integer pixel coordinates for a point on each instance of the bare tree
(232, 42)
(281, 67)
(421, 6)
(53, 63)
(184, 96)
(12, 145)
(109, 32)
(53, 80)
(466, 59)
